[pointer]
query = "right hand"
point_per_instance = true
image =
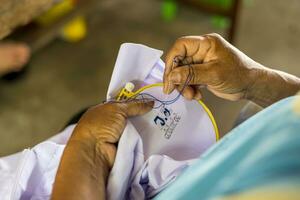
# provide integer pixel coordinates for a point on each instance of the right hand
(216, 65)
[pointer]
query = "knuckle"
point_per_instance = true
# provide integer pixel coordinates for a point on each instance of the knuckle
(110, 106)
(180, 42)
(113, 107)
(215, 36)
(180, 39)
(123, 107)
(178, 74)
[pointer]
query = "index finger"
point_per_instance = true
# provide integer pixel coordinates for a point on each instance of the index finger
(176, 54)
(186, 50)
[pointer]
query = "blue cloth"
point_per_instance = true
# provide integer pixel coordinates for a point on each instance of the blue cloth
(262, 151)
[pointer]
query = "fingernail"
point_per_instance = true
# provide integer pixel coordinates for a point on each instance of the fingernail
(149, 102)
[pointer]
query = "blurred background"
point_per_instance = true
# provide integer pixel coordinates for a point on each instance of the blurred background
(71, 65)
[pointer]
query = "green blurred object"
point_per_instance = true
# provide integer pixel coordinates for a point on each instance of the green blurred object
(169, 10)
(217, 20)
(220, 21)
(226, 4)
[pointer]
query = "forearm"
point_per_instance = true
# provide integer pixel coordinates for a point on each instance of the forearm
(82, 173)
(90, 152)
(20, 12)
(271, 86)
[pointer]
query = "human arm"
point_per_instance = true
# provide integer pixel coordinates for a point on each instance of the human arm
(90, 152)
(225, 71)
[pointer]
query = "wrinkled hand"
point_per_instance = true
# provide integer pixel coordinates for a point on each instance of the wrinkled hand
(216, 65)
(90, 152)
(104, 124)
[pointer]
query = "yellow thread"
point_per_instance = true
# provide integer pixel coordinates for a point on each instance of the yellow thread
(124, 94)
(211, 117)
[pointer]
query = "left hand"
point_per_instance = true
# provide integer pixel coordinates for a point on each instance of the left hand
(104, 124)
(90, 152)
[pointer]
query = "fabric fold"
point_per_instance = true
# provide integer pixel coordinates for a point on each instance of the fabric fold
(31, 174)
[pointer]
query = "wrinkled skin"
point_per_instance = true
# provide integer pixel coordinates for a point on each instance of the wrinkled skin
(105, 123)
(90, 152)
(213, 61)
(217, 65)
(224, 70)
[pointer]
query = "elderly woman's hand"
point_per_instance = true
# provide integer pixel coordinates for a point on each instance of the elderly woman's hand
(223, 70)
(104, 124)
(90, 152)
(216, 64)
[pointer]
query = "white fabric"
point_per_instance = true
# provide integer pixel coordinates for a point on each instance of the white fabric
(140, 171)
(134, 63)
(31, 173)
(145, 161)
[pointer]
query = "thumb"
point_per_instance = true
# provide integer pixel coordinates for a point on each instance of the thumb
(137, 107)
(192, 74)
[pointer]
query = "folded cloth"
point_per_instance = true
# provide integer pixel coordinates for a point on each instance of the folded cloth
(147, 161)
(30, 174)
(142, 167)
